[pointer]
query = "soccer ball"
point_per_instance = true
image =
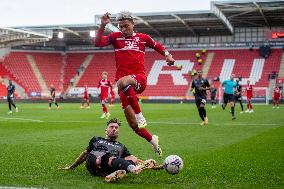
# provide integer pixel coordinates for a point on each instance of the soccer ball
(173, 164)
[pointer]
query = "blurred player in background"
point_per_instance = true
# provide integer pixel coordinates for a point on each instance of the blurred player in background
(213, 92)
(11, 97)
(104, 86)
(52, 97)
(238, 95)
(276, 96)
(131, 76)
(200, 85)
(85, 98)
(249, 90)
(228, 96)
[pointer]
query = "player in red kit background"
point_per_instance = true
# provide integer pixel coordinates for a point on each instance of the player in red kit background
(85, 98)
(276, 96)
(131, 76)
(104, 86)
(249, 90)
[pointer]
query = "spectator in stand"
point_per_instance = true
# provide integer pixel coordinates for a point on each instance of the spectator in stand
(82, 67)
(72, 81)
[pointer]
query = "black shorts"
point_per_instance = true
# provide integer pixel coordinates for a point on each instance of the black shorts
(213, 98)
(104, 168)
(10, 99)
(200, 103)
(228, 98)
(53, 99)
(238, 98)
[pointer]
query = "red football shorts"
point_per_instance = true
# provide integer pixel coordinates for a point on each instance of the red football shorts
(276, 97)
(141, 83)
(249, 97)
(104, 98)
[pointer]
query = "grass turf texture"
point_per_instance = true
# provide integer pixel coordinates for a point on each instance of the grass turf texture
(245, 153)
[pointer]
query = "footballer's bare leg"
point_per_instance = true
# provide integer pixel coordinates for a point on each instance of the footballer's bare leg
(143, 132)
(127, 85)
(233, 109)
(124, 81)
(131, 119)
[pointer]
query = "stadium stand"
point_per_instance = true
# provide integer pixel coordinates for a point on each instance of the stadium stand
(20, 70)
(3, 72)
(163, 80)
(49, 64)
(165, 85)
(102, 61)
(74, 60)
(240, 62)
(2, 90)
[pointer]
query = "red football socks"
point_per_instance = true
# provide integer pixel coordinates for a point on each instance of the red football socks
(132, 99)
(144, 133)
(104, 108)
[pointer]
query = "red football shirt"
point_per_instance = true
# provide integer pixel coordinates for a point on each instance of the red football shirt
(86, 92)
(276, 92)
(129, 51)
(104, 84)
(249, 90)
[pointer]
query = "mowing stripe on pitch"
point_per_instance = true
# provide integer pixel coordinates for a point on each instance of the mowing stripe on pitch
(17, 187)
(19, 119)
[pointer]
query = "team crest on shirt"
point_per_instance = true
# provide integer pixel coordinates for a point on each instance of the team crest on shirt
(137, 39)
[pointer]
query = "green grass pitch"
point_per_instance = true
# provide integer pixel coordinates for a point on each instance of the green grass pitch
(245, 153)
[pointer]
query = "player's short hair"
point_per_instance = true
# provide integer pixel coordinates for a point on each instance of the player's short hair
(125, 15)
(114, 120)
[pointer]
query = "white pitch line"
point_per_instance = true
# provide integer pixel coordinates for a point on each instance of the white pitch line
(71, 121)
(20, 119)
(252, 124)
(190, 123)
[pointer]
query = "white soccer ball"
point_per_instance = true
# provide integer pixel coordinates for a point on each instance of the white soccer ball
(173, 164)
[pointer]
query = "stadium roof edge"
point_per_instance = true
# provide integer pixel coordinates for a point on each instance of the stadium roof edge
(165, 13)
(223, 20)
(57, 26)
(25, 31)
(244, 1)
